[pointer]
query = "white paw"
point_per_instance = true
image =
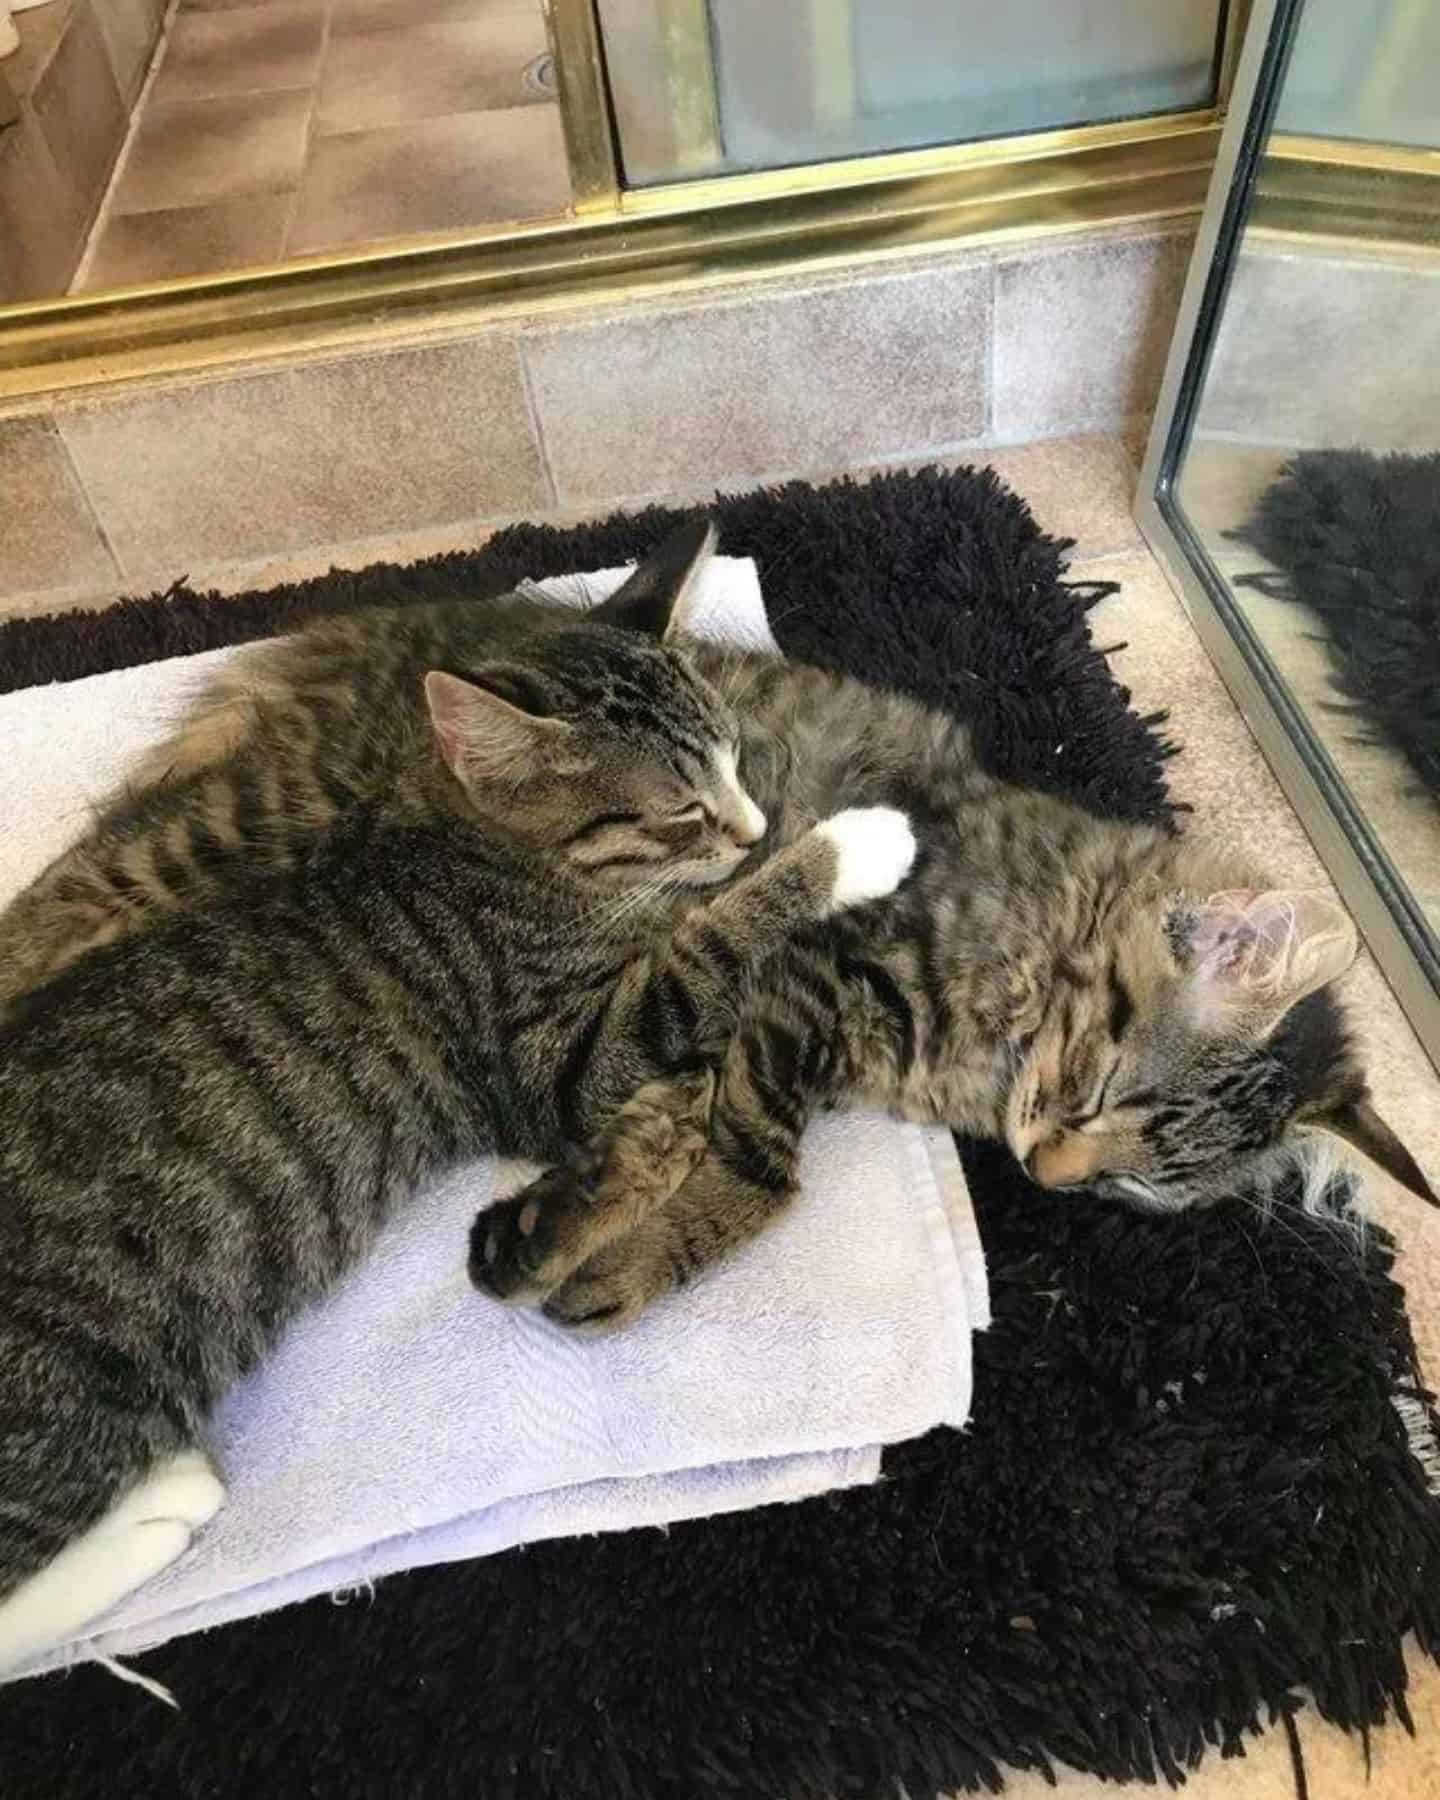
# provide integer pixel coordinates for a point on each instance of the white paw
(875, 847)
(143, 1533)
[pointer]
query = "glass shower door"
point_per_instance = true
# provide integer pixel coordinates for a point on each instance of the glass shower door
(1293, 482)
(701, 87)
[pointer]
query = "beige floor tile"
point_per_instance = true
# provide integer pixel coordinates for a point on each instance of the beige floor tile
(48, 537)
(188, 240)
(193, 151)
(1080, 487)
(350, 16)
(1221, 481)
(241, 50)
(426, 71)
(437, 175)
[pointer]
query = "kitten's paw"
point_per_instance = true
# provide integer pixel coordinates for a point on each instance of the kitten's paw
(613, 1288)
(522, 1247)
(150, 1525)
(875, 849)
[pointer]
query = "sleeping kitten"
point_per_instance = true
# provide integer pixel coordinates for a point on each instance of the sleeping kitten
(579, 736)
(1129, 1012)
(208, 1120)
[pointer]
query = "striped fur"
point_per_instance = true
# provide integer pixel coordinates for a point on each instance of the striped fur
(320, 955)
(207, 1122)
(1120, 1006)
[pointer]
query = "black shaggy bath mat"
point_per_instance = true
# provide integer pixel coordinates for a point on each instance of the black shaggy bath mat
(1356, 538)
(1186, 1492)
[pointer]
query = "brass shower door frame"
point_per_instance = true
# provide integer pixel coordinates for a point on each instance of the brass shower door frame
(620, 243)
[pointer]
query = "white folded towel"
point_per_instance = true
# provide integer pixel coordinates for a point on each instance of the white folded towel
(408, 1420)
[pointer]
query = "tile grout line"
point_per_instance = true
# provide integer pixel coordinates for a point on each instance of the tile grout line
(106, 209)
(92, 512)
(532, 410)
(326, 34)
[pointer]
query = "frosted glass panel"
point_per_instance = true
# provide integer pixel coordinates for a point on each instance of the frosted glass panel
(797, 81)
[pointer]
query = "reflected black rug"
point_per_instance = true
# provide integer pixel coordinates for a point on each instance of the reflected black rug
(1356, 538)
(1187, 1493)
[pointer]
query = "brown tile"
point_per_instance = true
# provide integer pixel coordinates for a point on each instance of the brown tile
(131, 29)
(437, 175)
(49, 538)
(669, 400)
(217, 471)
(188, 240)
(40, 29)
(350, 16)
(1077, 487)
(42, 222)
(426, 71)
(243, 50)
(199, 150)
(78, 107)
(1081, 334)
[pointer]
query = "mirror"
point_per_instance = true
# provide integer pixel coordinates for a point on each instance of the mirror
(1301, 474)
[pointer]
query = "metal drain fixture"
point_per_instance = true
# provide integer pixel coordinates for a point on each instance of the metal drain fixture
(539, 76)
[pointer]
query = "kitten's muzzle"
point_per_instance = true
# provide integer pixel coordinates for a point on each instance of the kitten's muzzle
(1067, 1159)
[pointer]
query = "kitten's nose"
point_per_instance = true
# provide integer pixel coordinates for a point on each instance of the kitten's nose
(1063, 1161)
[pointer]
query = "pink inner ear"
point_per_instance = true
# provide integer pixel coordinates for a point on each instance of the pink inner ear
(1224, 936)
(449, 702)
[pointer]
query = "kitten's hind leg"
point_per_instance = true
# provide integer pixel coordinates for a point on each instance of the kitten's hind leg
(526, 1245)
(150, 1525)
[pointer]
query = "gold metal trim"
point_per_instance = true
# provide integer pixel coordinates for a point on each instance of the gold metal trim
(1078, 157)
(664, 240)
(1232, 41)
(574, 34)
(1336, 188)
(690, 78)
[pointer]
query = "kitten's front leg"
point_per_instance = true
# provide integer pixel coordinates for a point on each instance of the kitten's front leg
(525, 1246)
(520, 1247)
(716, 1209)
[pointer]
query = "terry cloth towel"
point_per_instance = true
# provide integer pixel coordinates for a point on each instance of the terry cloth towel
(409, 1420)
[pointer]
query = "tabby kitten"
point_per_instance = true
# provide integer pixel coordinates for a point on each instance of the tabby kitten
(1041, 945)
(584, 736)
(207, 1122)
(1129, 1012)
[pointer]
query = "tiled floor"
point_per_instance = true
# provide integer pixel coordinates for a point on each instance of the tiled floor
(1083, 487)
(291, 127)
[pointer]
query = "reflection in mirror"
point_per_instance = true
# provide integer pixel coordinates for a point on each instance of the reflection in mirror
(229, 133)
(1311, 476)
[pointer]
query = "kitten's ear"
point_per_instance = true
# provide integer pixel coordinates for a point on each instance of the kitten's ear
(1255, 955)
(660, 595)
(1358, 1123)
(483, 737)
